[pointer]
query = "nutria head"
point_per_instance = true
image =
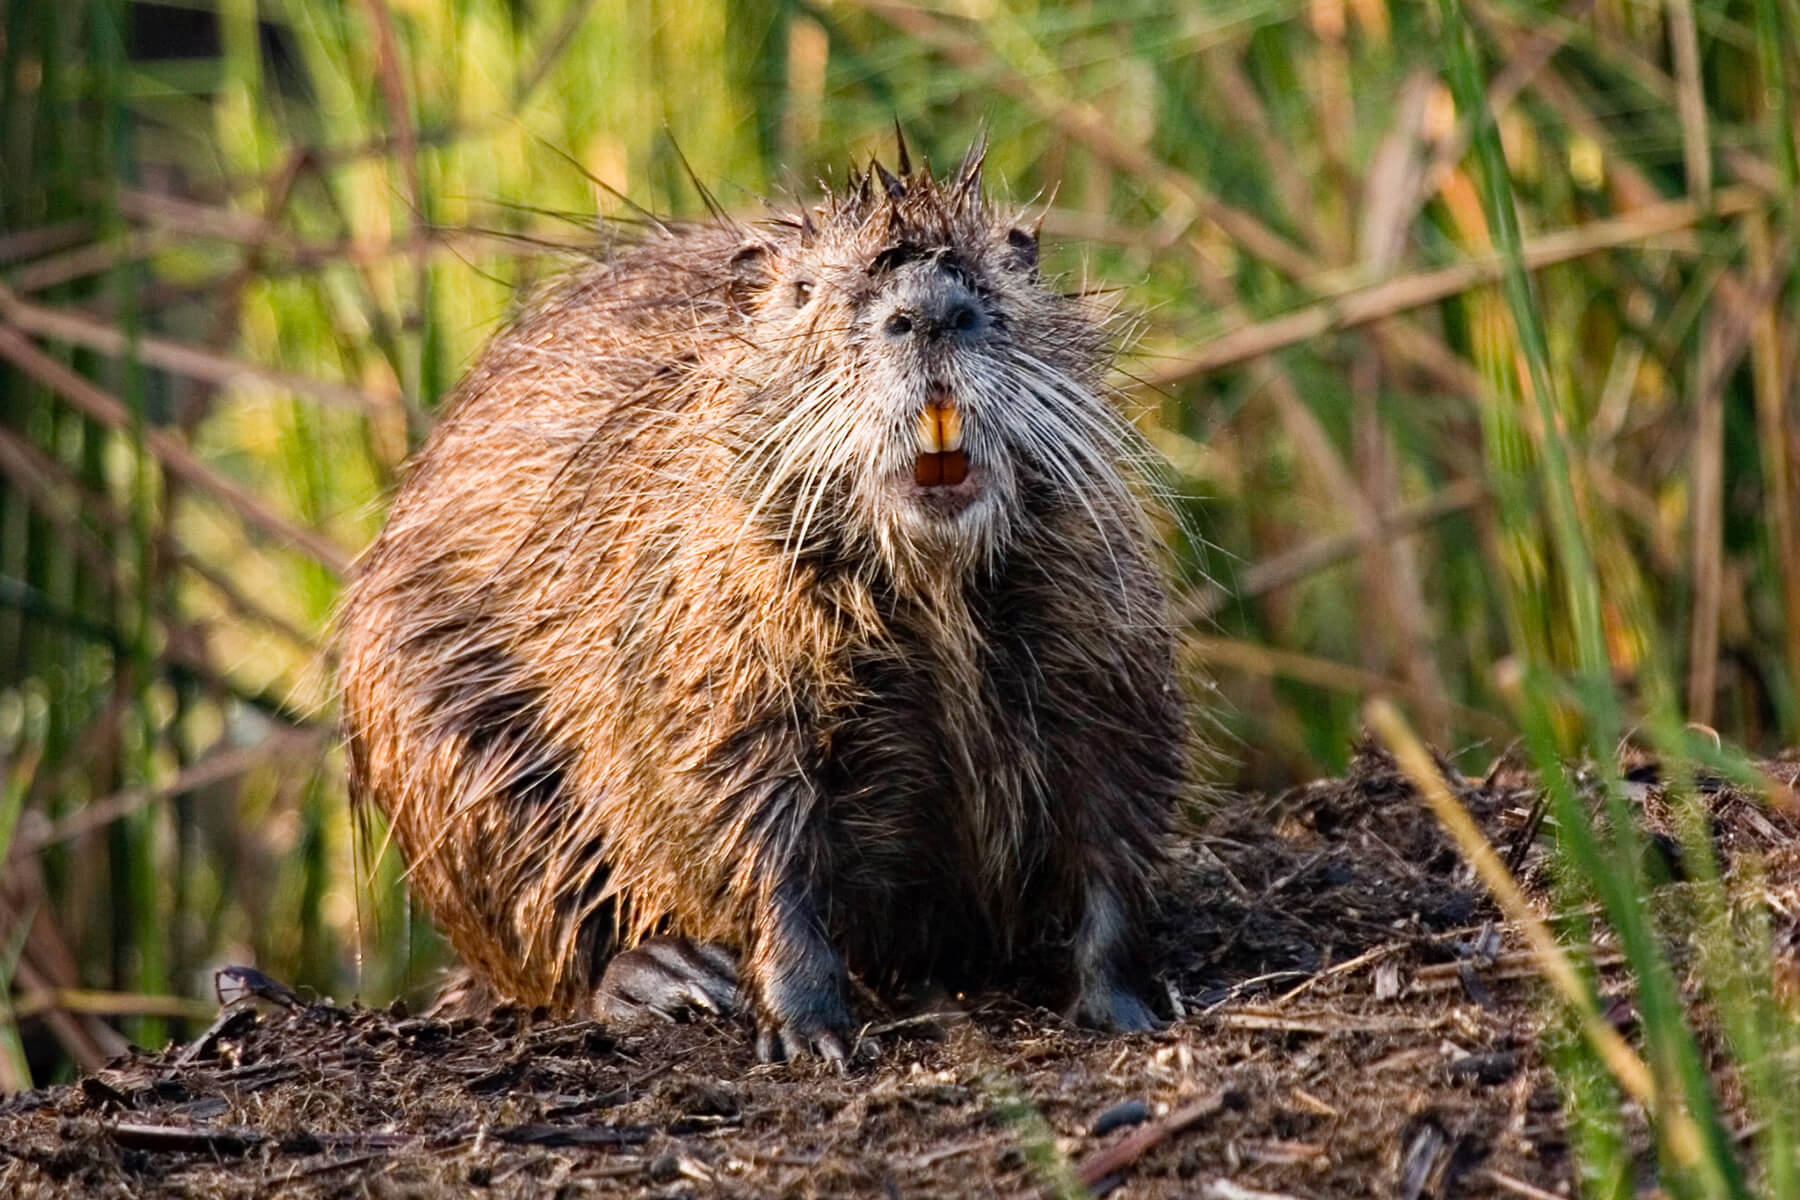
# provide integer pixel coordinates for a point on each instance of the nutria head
(909, 385)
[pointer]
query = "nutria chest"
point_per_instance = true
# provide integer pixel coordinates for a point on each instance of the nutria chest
(938, 790)
(954, 776)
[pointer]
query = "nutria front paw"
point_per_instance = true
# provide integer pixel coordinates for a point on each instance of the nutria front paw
(802, 1013)
(786, 1042)
(667, 977)
(1110, 1005)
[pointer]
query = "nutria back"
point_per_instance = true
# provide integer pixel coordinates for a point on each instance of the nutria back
(784, 587)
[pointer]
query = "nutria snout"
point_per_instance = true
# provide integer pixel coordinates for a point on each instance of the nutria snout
(775, 602)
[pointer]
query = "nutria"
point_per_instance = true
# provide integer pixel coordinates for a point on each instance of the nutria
(781, 591)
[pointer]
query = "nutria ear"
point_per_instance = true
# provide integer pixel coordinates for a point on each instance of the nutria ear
(751, 274)
(1022, 250)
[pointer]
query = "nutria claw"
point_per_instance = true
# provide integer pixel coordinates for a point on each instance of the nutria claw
(799, 983)
(667, 977)
(1111, 1006)
(784, 1042)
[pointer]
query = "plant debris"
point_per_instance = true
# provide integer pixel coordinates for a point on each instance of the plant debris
(1353, 1022)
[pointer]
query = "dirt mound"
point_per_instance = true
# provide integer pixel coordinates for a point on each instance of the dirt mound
(1353, 1024)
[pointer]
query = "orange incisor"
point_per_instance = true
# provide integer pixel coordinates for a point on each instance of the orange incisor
(941, 461)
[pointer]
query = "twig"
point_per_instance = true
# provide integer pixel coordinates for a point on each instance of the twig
(46, 239)
(190, 1139)
(1775, 437)
(231, 1017)
(573, 1135)
(175, 661)
(932, 1157)
(170, 451)
(107, 1004)
(1321, 672)
(325, 157)
(82, 261)
(1288, 877)
(1706, 484)
(342, 1164)
(1343, 968)
(89, 1041)
(228, 764)
(182, 215)
(1360, 306)
(393, 90)
(1517, 1187)
(1099, 1165)
(1519, 964)
(1327, 1023)
(65, 326)
(1225, 1189)
(1690, 98)
(1729, 336)
(1283, 569)
(41, 476)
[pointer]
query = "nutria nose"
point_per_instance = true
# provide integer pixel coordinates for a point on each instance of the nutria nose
(933, 309)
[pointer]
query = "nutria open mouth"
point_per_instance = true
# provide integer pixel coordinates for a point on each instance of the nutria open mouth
(942, 481)
(946, 468)
(945, 497)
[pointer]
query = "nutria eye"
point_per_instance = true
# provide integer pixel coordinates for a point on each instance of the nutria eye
(965, 318)
(803, 290)
(897, 326)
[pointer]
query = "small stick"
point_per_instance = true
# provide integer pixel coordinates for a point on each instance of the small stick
(1098, 1166)
(1517, 1187)
(184, 1138)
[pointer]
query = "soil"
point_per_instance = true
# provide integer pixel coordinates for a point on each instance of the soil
(1354, 1021)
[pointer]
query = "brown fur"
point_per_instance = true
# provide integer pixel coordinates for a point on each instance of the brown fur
(655, 640)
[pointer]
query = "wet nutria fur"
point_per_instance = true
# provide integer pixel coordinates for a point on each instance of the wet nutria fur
(782, 588)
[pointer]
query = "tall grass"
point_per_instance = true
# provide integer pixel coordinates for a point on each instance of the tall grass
(1468, 331)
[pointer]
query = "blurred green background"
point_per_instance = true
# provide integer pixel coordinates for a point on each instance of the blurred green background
(246, 247)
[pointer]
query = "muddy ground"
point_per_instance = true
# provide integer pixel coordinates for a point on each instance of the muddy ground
(1354, 1023)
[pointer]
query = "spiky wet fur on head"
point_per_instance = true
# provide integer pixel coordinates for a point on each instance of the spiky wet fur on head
(829, 401)
(658, 639)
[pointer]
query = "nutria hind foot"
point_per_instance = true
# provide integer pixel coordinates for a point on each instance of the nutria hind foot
(668, 977)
